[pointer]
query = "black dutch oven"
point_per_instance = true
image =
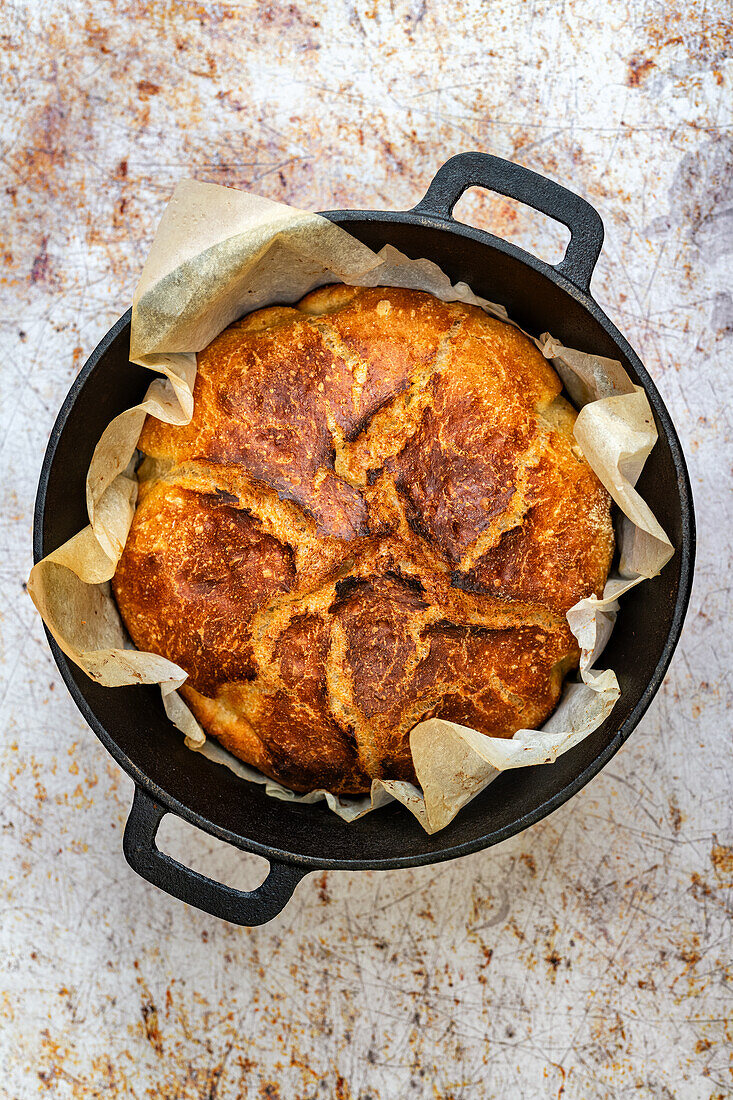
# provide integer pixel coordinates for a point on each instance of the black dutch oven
(297, 839)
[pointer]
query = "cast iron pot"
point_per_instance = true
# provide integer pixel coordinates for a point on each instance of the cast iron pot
(296, 839)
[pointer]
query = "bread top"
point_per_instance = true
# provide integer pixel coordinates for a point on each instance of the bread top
(377, 514)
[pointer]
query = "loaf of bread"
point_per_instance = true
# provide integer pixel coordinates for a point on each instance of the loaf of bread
(377, 514)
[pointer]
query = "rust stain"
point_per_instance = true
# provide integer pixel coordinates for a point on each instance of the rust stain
(638, 69)
(323, 894)
(691, 955)
(96, 36)
(553, 960)
(342, 1090)
(149, 1014)
(721, 857)
(700, 887)
(675, 814)
(702, 34)
(147, 88)
(269, 1090)
(41, 268)
(529, 862)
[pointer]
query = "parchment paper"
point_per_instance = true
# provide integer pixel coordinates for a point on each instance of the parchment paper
(220, 253)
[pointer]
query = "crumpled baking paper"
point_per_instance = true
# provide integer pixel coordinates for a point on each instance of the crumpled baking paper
(218, 254)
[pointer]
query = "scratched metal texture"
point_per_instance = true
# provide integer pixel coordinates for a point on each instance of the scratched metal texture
(587, 957)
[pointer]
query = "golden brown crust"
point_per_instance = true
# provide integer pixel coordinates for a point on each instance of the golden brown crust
(376, 515)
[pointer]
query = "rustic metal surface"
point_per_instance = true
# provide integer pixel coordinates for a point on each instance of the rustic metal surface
(587, 957)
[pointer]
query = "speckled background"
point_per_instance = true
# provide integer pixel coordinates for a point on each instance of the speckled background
(587, 957)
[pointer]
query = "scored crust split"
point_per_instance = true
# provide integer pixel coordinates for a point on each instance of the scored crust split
(377, 515)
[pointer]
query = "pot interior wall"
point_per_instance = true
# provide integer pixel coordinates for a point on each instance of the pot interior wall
(131, 721)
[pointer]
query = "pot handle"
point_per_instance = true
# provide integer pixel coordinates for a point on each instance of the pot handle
(247, 907)
(516, 182)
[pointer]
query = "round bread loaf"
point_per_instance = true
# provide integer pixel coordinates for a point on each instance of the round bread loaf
(377, 514)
